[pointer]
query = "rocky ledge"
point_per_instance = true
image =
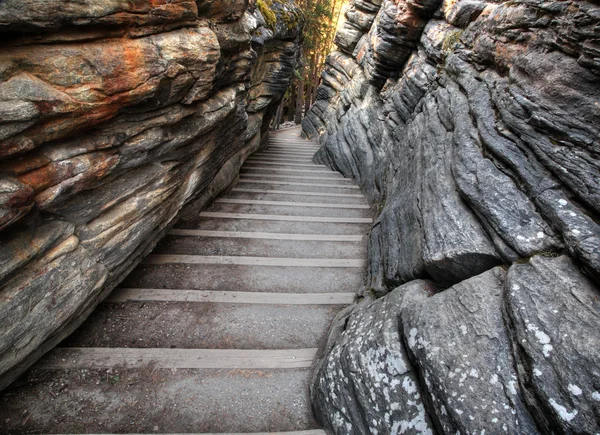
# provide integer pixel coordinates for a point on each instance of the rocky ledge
(474, 127)
(116, 119)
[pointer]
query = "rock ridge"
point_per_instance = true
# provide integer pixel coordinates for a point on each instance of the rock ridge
(116, 120)
(473, 127)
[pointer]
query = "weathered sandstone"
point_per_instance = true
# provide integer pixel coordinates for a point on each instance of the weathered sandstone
(117, 118)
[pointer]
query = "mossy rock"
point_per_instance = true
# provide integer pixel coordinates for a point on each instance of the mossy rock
(450, 40)
(264, 6)
(281, 16)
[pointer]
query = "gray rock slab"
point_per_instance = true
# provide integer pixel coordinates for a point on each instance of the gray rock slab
(458, 342)
(554, 316)
(366, 383)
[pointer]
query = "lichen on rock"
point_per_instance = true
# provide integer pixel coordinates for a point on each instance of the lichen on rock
(473, 127)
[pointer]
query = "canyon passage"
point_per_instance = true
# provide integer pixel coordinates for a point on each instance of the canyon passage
(209, 226)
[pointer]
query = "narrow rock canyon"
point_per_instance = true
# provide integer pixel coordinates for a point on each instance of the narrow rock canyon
(472, 127)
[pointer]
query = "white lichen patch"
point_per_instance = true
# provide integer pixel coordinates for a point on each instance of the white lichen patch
(562, 412)
(596, 396)
(575, 390)
(412, 337)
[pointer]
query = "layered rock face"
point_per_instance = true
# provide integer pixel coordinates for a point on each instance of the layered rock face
(116, 119)
(473, 125)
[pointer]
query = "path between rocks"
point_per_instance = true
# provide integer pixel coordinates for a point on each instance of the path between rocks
(217, 330)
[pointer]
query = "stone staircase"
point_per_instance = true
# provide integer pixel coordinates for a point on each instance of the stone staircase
(217, 330)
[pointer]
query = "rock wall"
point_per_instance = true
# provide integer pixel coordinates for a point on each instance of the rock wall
(117, 118)
(474, 127)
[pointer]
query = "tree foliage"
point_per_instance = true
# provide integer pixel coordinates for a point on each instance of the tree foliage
(321, 21)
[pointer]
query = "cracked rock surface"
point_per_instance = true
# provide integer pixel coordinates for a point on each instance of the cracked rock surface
(473, 127)
(116, 120)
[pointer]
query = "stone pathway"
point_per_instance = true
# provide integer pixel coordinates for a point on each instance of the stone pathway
(217, 330)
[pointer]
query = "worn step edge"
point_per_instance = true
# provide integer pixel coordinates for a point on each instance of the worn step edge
(254, 261)
(229, 297)
(295, 177)
(307, 165)
(297, 193)
(283, 161)
(291, 149)
(291, 183)
(223, 215)
(291, 203)
(271, 152)
(279, 150)
(292, 144)
(299, 432)
(269, 236)
(99, 358)
(304, 171)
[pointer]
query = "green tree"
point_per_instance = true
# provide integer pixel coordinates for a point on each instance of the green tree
(321, 21)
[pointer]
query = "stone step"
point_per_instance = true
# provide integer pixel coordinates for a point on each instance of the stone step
(285, 210)
(299, 432)
(202, 325)
(180, 295)
(324, 186)
(69, 358)
(239, 260)
(261, 247)
(337, 196)
(246, 278)
(289, 195)
(292, 153)
(292, 204)
(264, 162)
(300, 147)
(275, 170)
(303, 178)
(154, 399)
(292, 148)
(282, 148)
(269, 236)
(285, 161)
(290, 218)
(228, 223)
(292, 144)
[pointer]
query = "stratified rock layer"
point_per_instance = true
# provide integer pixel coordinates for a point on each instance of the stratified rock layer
(115, 119)
(473, 126)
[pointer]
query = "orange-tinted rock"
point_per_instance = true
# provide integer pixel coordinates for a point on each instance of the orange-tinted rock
(16, 199)
(35, 15)
(77, 86)
(114, 116)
